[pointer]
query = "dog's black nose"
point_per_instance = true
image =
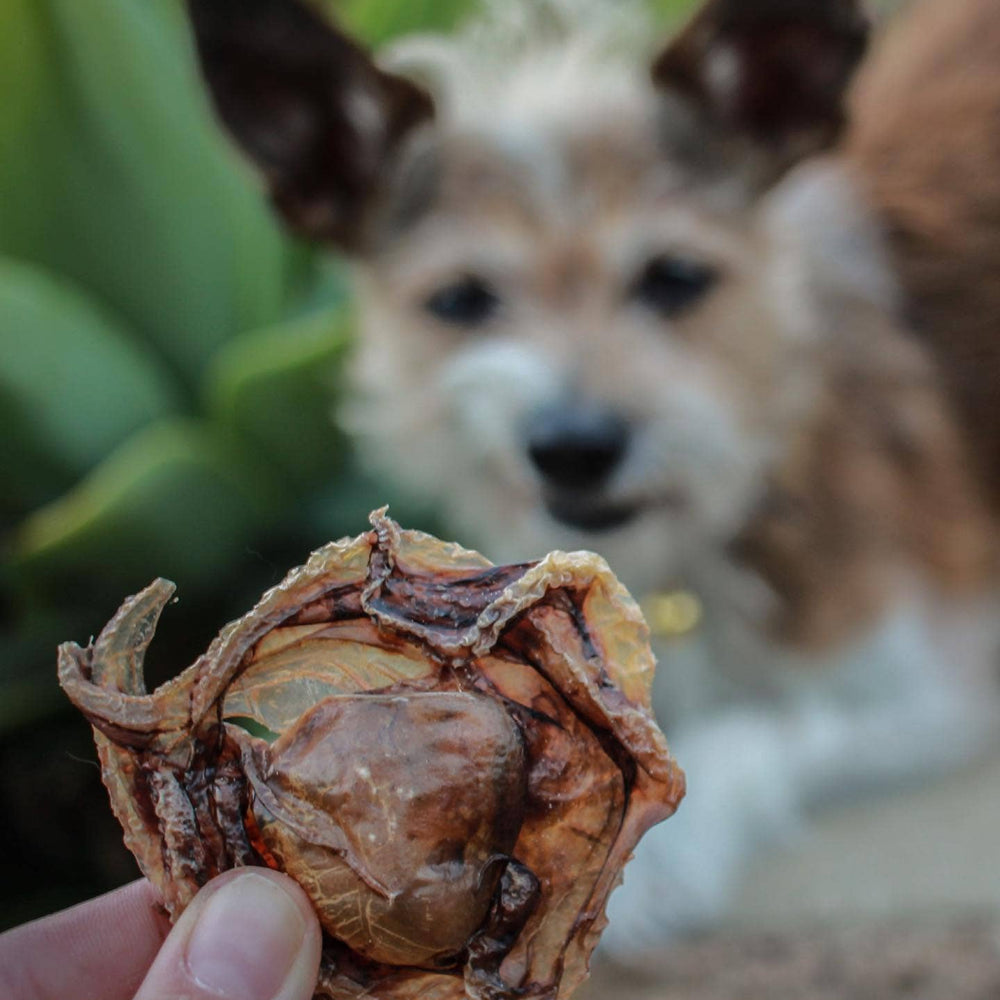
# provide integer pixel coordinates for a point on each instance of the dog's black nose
(577, 447)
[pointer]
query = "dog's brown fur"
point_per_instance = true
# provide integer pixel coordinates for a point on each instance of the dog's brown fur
(878, 468)
(799, 435)
(925, 140)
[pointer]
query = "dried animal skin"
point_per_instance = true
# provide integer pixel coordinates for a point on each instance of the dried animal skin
(453, 759)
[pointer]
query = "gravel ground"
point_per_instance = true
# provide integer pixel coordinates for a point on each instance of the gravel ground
(956, 961)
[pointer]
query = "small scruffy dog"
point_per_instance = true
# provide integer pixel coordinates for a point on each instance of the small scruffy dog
(624, 299)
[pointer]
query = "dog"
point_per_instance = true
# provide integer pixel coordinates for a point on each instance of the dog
(634, 299)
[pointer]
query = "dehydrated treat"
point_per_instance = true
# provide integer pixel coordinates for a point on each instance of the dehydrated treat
(453, 759)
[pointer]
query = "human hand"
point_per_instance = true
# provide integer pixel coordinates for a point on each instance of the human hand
(250, 934)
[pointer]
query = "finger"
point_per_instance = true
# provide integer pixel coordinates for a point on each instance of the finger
(99, 950)
(250, 934)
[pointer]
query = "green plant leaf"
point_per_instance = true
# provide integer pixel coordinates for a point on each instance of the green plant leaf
(27, 694)
(671, 12)
(177, 500)
(114, 173)
(378, 21)
(73, 385)
(274, 387)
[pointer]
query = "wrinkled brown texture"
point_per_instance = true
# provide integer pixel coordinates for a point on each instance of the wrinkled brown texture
(454, 759)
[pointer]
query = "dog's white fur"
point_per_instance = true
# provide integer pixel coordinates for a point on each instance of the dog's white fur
(763, 732)
(551, 180)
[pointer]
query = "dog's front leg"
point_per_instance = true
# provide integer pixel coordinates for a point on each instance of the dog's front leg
(741, 792)
(913, 701)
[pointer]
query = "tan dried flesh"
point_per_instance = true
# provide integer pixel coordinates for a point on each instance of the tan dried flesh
(455, 760)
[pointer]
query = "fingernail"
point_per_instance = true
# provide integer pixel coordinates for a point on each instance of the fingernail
(246, 939)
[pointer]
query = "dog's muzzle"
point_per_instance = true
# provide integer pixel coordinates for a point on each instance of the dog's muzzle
(576, 449)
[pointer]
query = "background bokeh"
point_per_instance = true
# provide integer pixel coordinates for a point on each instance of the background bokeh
(168, 365)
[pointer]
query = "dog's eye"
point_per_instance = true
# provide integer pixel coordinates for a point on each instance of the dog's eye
(669, 285)
(469, 302)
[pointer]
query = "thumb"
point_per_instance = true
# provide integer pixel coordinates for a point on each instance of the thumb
(250, 934)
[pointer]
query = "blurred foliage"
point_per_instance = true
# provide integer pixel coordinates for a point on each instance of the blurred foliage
(378, 22)
(140, 272)
(169, 352)
(170, 366)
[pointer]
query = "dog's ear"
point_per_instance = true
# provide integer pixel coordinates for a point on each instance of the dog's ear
(774, 71)
(308, 106)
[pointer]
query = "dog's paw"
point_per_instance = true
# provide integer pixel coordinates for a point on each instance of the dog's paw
(671, 889)
(681, 880)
